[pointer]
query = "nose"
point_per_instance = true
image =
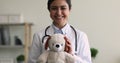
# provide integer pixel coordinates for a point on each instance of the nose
(57, 46)
(59, 12)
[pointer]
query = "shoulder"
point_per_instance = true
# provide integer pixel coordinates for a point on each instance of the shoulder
(41, 32)
(80, 33)
(76, 30)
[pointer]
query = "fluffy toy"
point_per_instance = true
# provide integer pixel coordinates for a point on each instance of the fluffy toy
(56, 53)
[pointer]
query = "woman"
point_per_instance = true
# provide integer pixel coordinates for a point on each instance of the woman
(59, 13)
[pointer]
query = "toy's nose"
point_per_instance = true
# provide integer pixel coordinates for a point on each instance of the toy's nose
(57, 46)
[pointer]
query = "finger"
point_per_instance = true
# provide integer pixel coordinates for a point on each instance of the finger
(67, 40)
(68, 49)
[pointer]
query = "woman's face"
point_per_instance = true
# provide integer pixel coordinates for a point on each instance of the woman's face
(59, 12)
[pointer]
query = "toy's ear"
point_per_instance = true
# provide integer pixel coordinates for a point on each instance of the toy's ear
(46, 44)
(67, 45)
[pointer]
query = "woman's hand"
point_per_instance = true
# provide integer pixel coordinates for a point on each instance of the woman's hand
(68, 47)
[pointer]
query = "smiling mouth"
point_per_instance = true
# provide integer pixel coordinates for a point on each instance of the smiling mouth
(59, 17)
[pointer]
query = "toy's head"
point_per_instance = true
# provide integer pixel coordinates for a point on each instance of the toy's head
(56, 43)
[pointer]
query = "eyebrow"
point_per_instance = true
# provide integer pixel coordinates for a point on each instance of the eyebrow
(60, 6)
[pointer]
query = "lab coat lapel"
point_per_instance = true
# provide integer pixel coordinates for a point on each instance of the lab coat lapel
(50, 30)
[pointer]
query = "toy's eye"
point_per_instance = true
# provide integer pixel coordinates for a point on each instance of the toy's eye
(61, 44)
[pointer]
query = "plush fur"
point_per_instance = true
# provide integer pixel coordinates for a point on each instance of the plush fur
(56, 53)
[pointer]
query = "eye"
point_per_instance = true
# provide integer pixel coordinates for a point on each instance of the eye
(63, 8)
(53, 8)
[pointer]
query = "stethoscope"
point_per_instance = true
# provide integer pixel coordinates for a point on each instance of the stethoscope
(46, 35)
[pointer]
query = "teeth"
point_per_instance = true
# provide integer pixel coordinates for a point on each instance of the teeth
(59, 16)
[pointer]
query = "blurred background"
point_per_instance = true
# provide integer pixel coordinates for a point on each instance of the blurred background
(99, 19)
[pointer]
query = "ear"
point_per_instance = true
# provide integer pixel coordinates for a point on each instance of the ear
(46, 44)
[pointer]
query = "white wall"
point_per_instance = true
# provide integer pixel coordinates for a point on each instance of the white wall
(100, 19)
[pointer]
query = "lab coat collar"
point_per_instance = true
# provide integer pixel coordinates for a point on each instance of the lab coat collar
(64, 29)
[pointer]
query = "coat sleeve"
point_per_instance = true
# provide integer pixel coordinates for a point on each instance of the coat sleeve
(83, 48)
(35, 49)
(69, 58)
(43, 57)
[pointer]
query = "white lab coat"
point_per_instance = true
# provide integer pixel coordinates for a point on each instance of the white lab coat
(83, 50)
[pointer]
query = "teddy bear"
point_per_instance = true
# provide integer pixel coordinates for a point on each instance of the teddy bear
(55, 53)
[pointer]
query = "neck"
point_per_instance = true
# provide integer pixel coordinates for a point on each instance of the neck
(60, 26)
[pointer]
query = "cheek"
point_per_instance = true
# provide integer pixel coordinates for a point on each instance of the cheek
(66, 13)
(52, 13)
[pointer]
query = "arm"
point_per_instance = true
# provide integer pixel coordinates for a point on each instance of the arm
(35, 49)
(84, 49)
(69, 58)
(43, 57)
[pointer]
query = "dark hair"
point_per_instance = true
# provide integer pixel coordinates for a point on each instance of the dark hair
(50, 2)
